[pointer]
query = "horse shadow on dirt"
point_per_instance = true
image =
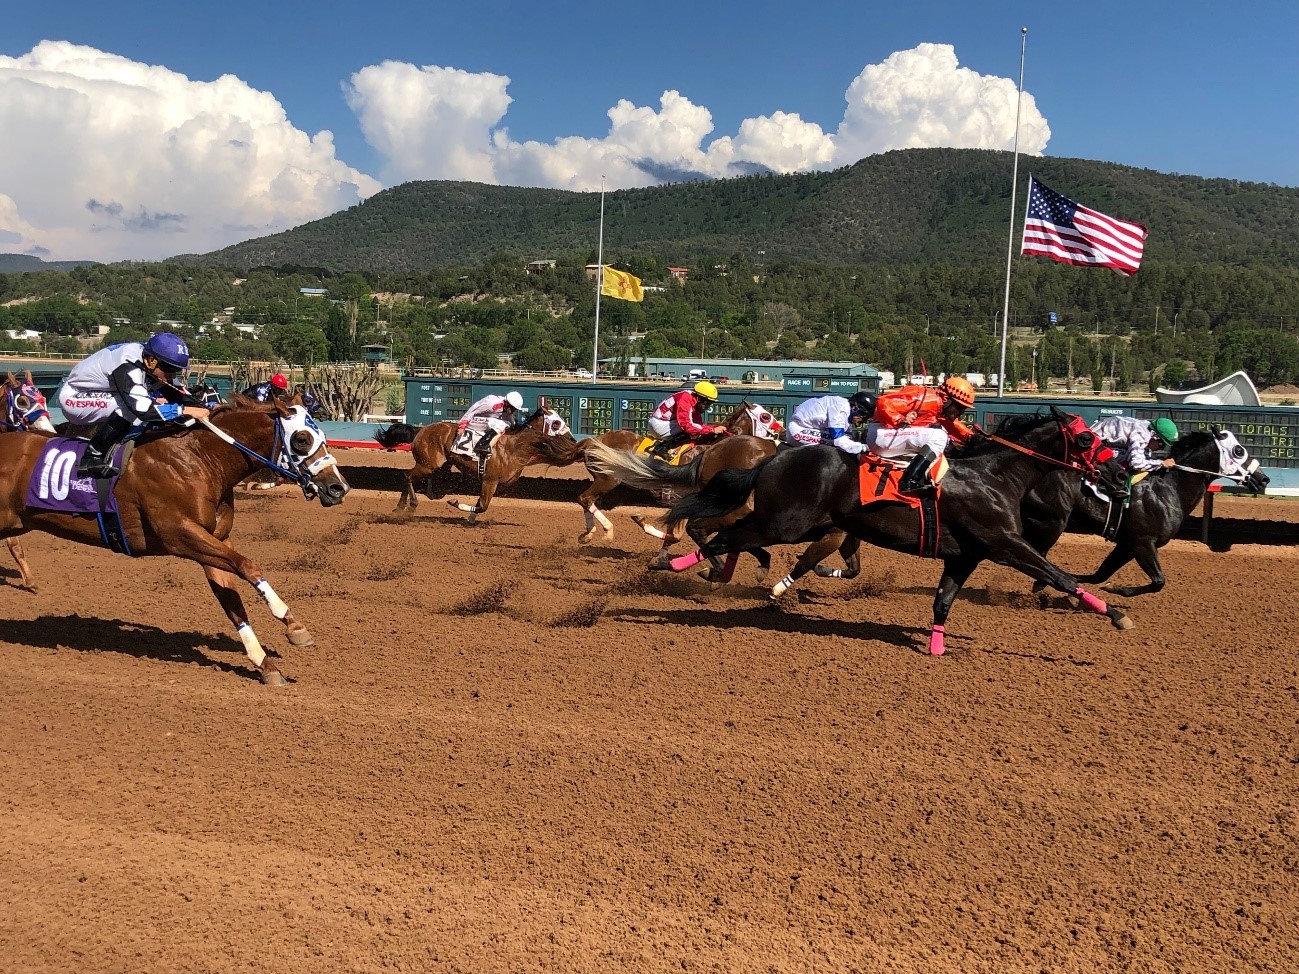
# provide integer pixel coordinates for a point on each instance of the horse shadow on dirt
(775, 619)
(91, 635)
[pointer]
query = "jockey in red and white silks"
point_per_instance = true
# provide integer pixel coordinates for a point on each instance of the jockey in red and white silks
(826, 419)
(490, 415)
(683, 412)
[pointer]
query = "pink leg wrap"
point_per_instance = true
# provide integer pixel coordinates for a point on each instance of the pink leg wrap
(686, 561)
(936, 647)
(1092, 602)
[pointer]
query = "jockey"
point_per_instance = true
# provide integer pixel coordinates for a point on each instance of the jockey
(489, 417)
(830, 419)
(680, 418)
(1133, 440)
(276, 387)
(918, 420)
(124, 386)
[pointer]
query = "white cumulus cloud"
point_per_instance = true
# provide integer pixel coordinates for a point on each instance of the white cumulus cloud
(441, 123)
(126, 160)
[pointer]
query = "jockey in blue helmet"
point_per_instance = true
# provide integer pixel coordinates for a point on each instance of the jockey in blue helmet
(123, 386)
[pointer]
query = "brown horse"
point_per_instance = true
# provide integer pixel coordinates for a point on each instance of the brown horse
(749, 441)
(543, 438)
(176, 497)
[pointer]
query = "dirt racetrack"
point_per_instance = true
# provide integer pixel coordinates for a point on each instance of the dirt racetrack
(505, 753)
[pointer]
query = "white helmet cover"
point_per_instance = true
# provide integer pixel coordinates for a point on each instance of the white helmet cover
(514, 399)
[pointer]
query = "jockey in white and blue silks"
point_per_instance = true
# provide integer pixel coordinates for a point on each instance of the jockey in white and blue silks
(826, 419)
(121, 387)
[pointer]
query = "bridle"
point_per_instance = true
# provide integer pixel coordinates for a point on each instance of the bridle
(289, 463)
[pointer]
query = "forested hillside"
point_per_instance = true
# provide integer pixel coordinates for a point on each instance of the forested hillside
(908, 206)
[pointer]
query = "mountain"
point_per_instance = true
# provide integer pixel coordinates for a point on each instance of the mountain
(907, 206)
(22, 263)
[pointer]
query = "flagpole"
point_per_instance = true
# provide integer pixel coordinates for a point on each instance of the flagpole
(1010, 243)
(599, 286)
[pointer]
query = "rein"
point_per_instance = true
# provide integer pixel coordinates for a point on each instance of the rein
(1077, 467)
(301, 478)
(1211, 474)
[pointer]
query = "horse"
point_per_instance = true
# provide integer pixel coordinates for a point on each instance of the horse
(805, 494)
(543, 438)
(750, 439)
(1159, 504)
(25, 407)
(176, 497)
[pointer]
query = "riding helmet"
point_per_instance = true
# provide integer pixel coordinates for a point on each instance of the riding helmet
(1165, 429)
(957, 388)
(862, 404)
(171, 352)
(706, 390)
(279, 382)
(514, 399)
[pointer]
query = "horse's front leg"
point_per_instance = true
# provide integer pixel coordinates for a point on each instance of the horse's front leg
(484, 500)
(956, 572)
(588, 501)
(20, 559)
(814, 554)
(1014, 552)
(221, 564)
(1147, 557)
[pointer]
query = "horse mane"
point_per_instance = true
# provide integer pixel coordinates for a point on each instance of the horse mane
(1190, 442)
(1013, 427)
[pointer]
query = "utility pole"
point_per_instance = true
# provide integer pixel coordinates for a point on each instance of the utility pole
(1156, 319)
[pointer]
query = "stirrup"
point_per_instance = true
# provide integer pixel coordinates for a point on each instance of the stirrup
(98, 470)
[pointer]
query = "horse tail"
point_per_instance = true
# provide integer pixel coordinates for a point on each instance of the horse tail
(559, 451)
(724, 492)
(638, 470)
(395, 435)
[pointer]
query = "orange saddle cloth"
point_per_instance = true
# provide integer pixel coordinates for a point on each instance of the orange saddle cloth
(878, 478)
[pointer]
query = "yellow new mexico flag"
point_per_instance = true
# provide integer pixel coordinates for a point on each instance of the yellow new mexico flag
(620, 284)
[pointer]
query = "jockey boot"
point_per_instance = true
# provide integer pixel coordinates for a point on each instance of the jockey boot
(484, 449)
(915, 479)
(662, 450)
(96, 461)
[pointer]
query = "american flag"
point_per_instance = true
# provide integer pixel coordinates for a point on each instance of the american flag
(1069, 233)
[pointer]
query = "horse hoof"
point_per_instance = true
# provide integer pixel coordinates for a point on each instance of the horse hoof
(1123, 622)
(301, 637)
(585, 538)
(271, 675)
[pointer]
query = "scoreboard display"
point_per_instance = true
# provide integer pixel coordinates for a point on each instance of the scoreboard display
(594, 416)
(636, 414)
(458, 400)
(1272, 438)
(563, 405)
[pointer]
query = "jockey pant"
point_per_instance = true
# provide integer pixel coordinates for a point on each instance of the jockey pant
(663, 427)
(886, 442)
(801, 435)
(90, 408)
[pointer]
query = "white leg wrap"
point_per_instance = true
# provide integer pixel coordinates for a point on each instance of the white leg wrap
(835, 573)
(251, 644)
(467, 508)
(781, 587)
(653, 531)
(276, 604)
(604, 521)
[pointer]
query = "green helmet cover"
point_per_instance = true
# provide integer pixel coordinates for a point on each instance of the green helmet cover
(1165, 429)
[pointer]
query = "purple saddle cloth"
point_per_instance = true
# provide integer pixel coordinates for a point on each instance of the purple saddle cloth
(55, 485)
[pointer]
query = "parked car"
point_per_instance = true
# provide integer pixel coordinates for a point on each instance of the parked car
(720, 380)
(582, 373)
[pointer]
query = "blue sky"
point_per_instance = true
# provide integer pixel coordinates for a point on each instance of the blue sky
(136, 150)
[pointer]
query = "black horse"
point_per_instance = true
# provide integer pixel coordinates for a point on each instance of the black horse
(1155, 514)
(805, 494)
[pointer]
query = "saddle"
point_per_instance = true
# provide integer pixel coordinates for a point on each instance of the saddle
(677, 456)
(878, 479)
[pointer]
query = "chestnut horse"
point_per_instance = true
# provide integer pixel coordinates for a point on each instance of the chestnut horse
(543, 438)
(25, 409)
(176, 497)
(749, 441)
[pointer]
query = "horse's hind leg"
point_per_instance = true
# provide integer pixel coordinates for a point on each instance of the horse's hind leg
(588, 501)
(811, 558)
(1147, 558)
(20, 558)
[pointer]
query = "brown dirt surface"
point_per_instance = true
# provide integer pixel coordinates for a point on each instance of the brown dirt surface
(507, 753)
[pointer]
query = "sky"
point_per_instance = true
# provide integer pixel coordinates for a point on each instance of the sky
(141, 130)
